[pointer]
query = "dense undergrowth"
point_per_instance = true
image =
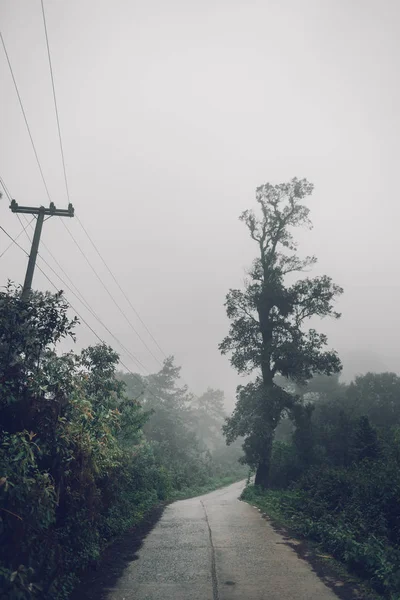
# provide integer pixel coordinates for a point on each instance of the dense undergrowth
(336, 477)
(86, 452)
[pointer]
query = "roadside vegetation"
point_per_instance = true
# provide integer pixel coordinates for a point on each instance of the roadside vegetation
(326, 455)
(86, 451)
(335, 478)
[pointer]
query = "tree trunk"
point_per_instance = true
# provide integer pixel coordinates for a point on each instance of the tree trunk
(264, 464)
(262, 474)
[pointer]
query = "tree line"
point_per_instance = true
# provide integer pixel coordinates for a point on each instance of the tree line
(335, 474)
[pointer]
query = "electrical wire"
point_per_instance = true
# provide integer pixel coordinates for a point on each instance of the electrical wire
(125, 295)
(78, 293)
(24, 115)
(65, 175)
(82, 299)
(66, 183)
(55, 100)
(84, 302)
(68, 196)
(5, 188)
(110, 294)
(144, 387)
(94, 314)
(86, 305)
(119, 287)
(14, 239)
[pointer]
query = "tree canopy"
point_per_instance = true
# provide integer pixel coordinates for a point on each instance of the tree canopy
(267, 332)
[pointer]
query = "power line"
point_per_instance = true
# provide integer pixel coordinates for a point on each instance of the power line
(93, 313)
(24, 115)
(145, 388)
(62, 270)
(66, 179)
(110, 294)
(123, 293)
(27, 224)
(5, 188)
(112, 297)
(62, 154)
(55, 101)
(67, 189)
(85, 303)
(120, 288)
(81, 298)
(15, 239)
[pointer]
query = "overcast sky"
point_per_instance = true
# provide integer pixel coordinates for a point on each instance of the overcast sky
(171, 114)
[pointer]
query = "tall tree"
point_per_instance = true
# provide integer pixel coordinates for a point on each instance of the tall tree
(267, 333)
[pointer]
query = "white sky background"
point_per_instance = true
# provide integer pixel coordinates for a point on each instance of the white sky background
(172, 113)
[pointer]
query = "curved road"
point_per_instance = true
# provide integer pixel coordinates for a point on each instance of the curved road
(215, 547)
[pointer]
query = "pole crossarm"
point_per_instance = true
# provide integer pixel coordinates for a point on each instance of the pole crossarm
(51, 211)
(41, 212)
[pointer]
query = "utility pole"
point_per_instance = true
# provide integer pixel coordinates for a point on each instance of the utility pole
(41, 212)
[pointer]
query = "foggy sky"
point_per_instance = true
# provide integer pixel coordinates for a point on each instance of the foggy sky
(172, 113)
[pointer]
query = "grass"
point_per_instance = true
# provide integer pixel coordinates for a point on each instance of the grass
(282, 508)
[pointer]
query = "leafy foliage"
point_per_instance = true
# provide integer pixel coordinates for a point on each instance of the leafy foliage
(185, 432)
(336, 477)
(267, 332)
(80, 460)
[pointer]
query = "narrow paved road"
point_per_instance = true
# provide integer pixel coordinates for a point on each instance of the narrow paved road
(215, 547)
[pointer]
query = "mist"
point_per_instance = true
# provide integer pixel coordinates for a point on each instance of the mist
(171, 115)
(213, 315)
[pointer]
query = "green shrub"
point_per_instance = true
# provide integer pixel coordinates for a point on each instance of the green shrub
(354, 513)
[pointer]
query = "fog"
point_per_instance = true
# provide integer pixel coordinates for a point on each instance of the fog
(171, 115)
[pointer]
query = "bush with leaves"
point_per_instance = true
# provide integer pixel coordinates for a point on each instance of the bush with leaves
(337, 476)
(75, 469)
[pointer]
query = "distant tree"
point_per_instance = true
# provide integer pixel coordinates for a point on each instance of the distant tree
(326, 387)
(365, 441)
(377, 396)
(209, 416)
(169, 426)
(319, 389)
(184, 431)
(303, 436)
(267, 318)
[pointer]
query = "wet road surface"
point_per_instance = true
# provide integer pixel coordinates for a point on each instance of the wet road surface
(215, 547)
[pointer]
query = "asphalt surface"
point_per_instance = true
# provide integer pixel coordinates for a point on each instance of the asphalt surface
(215, 547)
